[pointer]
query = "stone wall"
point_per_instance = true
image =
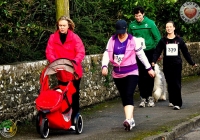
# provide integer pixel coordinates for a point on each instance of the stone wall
(19, 84)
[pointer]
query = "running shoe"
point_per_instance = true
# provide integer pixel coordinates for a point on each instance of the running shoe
(177, 108)
(151, 102)
(171, 105)
(143, 102)
(129, 124)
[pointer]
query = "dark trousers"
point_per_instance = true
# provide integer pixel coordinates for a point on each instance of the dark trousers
(126, 87)
(173, 78)
(145, 83)
(75, 97)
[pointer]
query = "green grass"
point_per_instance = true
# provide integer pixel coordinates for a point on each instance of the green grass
(190, 78)
(162, 129)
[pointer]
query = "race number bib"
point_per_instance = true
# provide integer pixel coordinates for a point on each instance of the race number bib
(140, 42)
(172, 50)
(118, 58)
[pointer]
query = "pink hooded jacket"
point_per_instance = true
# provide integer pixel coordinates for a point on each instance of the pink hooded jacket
(128, 65)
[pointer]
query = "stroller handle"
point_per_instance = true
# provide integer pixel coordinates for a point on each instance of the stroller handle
(59, 64)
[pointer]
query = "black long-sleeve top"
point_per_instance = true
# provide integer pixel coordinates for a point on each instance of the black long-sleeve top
(171, 60)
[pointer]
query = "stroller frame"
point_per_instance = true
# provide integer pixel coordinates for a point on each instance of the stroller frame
(54, 105)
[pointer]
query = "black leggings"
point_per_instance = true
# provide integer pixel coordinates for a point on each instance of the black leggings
(126, 87)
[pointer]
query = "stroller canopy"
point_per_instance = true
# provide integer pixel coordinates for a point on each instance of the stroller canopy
(59, 64)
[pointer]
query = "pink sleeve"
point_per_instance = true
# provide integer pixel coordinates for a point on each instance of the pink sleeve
(80, 50)
(50, 50)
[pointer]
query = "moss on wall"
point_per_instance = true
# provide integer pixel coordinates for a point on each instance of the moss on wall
(19, 84)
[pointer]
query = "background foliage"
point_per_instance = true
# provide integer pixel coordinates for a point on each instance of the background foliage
(26, 25)
(24, 29)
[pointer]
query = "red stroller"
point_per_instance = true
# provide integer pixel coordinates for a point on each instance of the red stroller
(54, 104)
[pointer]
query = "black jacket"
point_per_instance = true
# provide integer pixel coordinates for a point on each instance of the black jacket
(172, 60)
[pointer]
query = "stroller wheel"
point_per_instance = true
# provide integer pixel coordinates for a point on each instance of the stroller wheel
(38, 123)
(44, 128)
(78, 124)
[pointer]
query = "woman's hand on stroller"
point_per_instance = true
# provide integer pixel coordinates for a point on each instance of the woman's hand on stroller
(73, 62)
(76, 76)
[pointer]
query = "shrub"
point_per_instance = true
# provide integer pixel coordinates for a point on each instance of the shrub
(25, 28)
(27, 24)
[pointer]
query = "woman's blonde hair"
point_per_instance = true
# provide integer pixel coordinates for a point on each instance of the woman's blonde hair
(70, 22)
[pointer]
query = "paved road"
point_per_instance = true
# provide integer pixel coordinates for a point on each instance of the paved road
(194, 134)
(105, 122)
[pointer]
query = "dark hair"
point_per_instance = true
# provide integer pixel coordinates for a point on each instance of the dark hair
(175, 31)
(171, 23)
(138, 9)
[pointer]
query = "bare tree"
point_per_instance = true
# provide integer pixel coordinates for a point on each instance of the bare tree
(62, 8)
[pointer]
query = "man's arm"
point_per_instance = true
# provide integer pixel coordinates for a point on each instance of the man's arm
(155, 33)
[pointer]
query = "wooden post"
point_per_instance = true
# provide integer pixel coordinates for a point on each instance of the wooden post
(62, 8)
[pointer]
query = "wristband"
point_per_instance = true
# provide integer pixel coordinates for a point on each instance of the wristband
(149, 69)
(104, 66)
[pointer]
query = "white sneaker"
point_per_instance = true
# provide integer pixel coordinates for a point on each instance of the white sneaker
(177, 108)
(151, 102)
(171, 105)
(143, 102)
(129, 124)
(132, 124)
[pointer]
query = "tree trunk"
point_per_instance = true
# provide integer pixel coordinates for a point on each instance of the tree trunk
(62, 8)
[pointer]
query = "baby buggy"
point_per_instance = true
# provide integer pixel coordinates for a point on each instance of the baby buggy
(54, 104)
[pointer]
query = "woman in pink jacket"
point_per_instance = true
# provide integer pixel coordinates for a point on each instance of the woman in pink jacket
(121, 52)
(64, 43)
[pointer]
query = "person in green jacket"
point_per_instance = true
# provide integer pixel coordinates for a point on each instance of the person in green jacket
(143, 27)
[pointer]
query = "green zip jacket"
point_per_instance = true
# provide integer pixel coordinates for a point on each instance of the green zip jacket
(147, 30)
